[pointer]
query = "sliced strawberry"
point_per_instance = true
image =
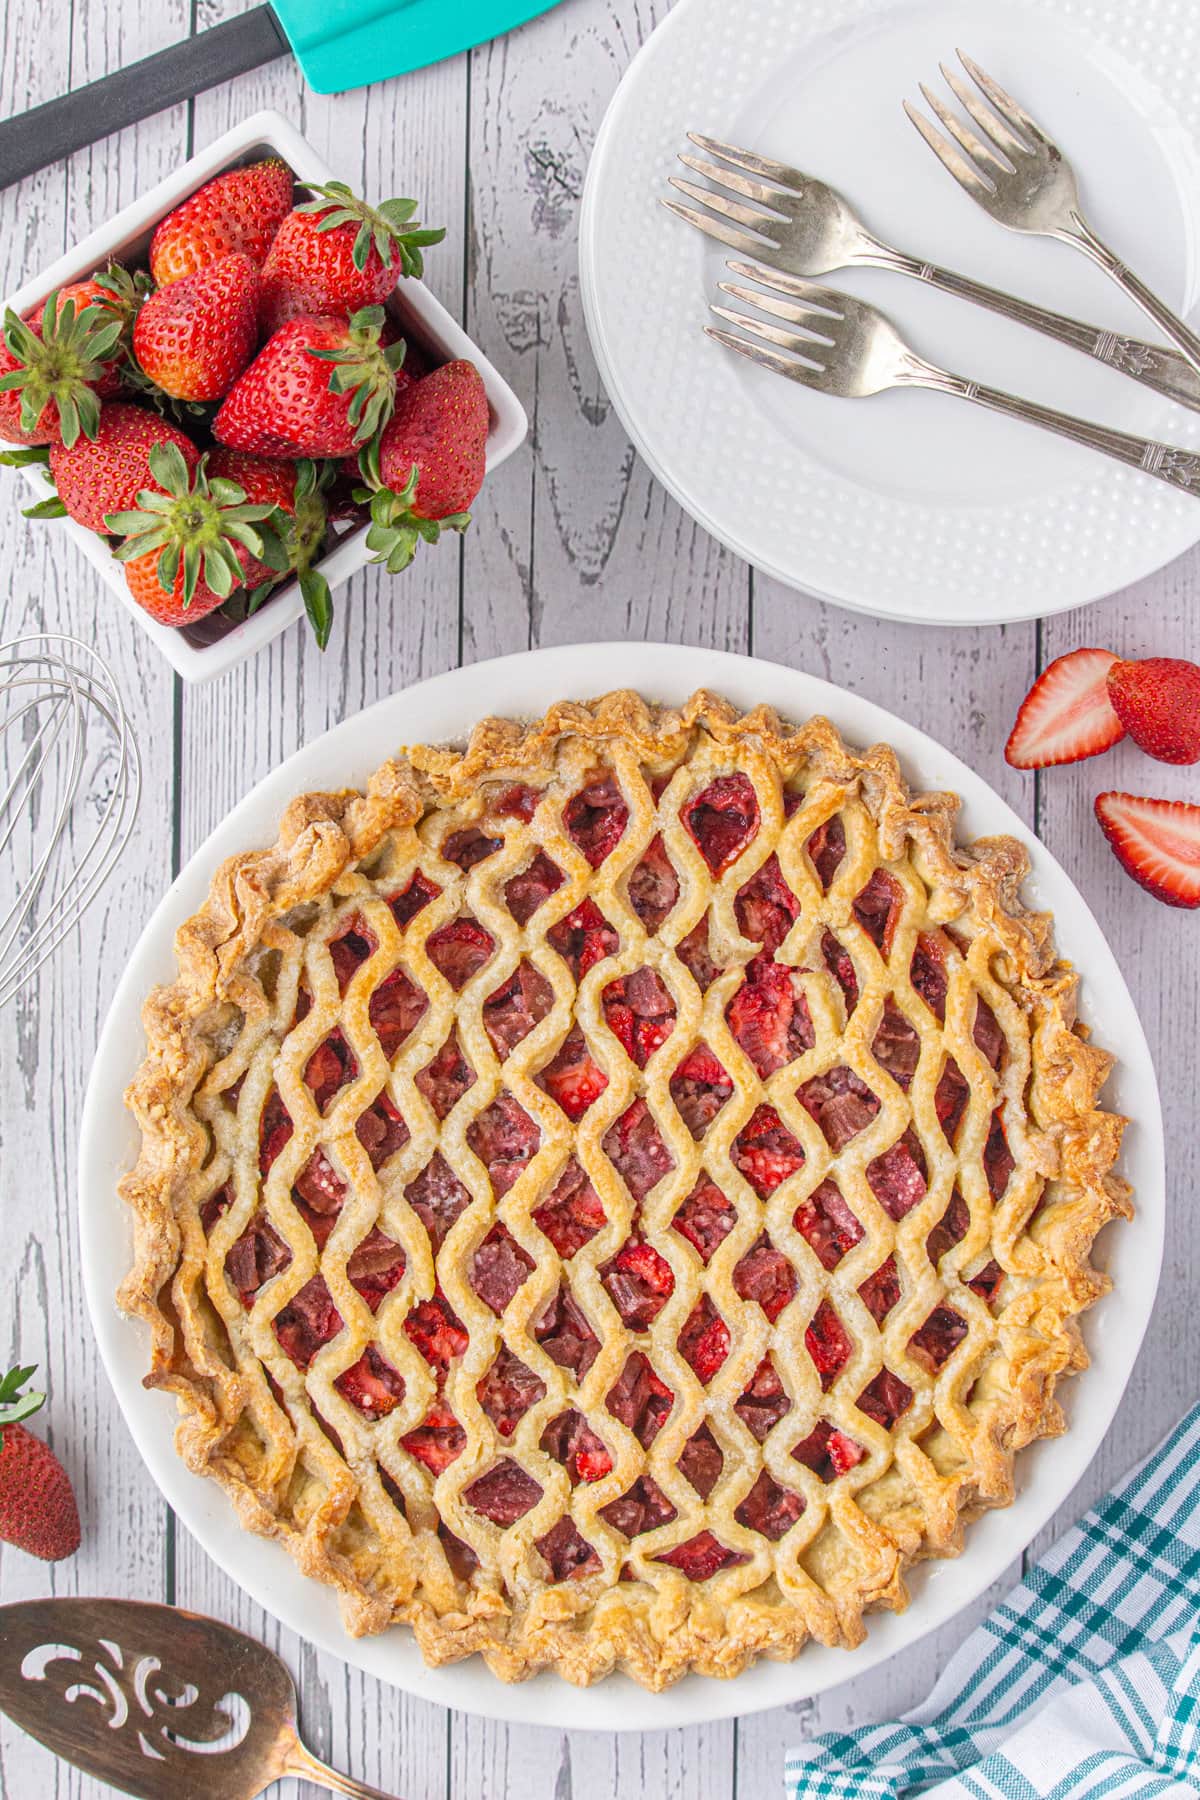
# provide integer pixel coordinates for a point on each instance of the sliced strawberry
(828, 1343)
(596, 816)
(704, 1340)
(1067, 714)
(438, 1440)
(702, 1557)
(639, 1283)
(572, 1077)
(722, 820)
(1158, 702)
(1157, 842)
(571, 1214)
(371, 1384)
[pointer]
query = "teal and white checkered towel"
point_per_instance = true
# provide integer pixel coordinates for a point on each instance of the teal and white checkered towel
(1083, 1685)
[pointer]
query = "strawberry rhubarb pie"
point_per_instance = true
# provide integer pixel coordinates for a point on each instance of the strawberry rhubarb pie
(617, 1195)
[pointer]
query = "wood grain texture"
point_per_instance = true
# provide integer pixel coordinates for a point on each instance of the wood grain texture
(572, 540)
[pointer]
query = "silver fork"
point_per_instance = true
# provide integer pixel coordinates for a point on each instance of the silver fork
(1019, 176)
(845, 347)
(805, 227)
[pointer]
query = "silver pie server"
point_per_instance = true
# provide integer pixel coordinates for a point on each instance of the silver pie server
(159, 1703)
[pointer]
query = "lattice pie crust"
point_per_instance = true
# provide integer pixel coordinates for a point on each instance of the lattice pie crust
(616, 1196)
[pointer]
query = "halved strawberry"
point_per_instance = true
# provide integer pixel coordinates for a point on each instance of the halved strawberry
(1066, 714)
(1158, 702)
(1155, 841)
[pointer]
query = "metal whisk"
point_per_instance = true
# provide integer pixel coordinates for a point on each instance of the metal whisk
(70, 780)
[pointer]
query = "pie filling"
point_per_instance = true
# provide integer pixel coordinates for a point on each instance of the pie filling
(649, 1300)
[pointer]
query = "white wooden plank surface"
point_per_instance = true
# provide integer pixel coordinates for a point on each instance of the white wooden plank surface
(571, 540)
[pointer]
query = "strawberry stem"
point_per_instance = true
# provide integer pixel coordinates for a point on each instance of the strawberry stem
(196, 524)
(14, 1405)
(61, 364)
(387, 227)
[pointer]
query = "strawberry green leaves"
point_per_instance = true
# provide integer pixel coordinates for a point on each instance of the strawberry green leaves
(366, 371)
(14, 1405)
(396, 530)
(388, 227)
(55, 361)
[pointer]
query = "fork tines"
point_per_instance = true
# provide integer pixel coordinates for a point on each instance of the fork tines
(760, 179)
(816, 320)
(1008, 132)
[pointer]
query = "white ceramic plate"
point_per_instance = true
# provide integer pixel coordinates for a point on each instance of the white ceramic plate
(445, 709)
(911, 505)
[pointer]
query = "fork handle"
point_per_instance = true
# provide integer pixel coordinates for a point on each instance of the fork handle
(1178, 468)
(1081, 234)
(1152, 365)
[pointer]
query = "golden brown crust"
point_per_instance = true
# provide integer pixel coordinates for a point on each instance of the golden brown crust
(350, 1501)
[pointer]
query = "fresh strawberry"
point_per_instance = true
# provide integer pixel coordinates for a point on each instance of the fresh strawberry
(52, 366)
(187, 546)
(291, 403)
(429, 464)
(1066, 714)
(37, 1507)
(105, 474)
(238, 213)
(194, 338)
(1157, 842)
(336, 254)
(1158, 702)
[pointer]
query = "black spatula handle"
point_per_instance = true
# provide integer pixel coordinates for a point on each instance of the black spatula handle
(60, 127)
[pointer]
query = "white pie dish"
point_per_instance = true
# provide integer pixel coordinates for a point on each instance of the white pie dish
(445, 708)
(193, 651)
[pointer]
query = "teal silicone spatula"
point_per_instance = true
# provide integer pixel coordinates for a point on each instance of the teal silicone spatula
(339, 44)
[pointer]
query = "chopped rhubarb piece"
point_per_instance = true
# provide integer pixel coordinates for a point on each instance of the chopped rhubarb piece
(987, 1033)
(769, 1016)
(694, 953)
(769, 1508)
(596, 816)
(639, 1283)
(308, 1321)
(987, 1281)
(505, 1139)
(950, 1229)
(927, 972)
(499, 1268)
(571, 1214)
(938, 1338)
(572, 1442)
(274, 1130)
(639, 1400)
(258, 1255)
(573, 1078)
(397, 1006)
(349, 950)
(898, 1177)
(841, 1103)
(766, 907)
(653, 887)
(418, 892)
(459, 949)
(583, 938)
(331, 1065)
(468, 847)
(826, 849)
(516, 802)
(371, 1384)
(827, 1223)
(640, 1013)
(215, 1207)
(702, 1557)
(722, 820)
(319, 1194)
(381, 1131)
(998, 1160)
(511, 1013)
(896, 1046)
(436, 1331)
(566, 1336)
(877, 908)
(881, 1290)
(438, 1440)
(765, 1274)
(505, 1494)
(700, 1087)
(765, 1152)
(764, 1402)
(461, 1558)
(643, 1507)
(840, 964)
(828, 1343)
(950, 1099)
(508, 1390)
(567, 1555)
(437, 1197)
(701, 1461)
(704, 1341)
(706, 1218)
(827, 1452)
(885, 1399)
(375, 1267)
(636, 1150)
(525, 891)
(446, 1079)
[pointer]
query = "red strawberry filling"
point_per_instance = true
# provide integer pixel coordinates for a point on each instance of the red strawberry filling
(765, 1152)
(258, 1254)
(640, 1013)
(896, 1046)
(371, 1384)
(331, 1065)
(841, 1103)
(769, 1016)
(636, 1150)
(722, 820)
(375, 1267)
(571, 1441)
(525, 892)
(706, 1218)
(517, 802)
(639, 1283)
(459, 949)
(701, 1461)
(927, 972)
(461, 1558)
(418, 892)
(989, 1038)
(827, 1223)
(938, 1338)
(499, 1268)
(764, 1402)
(826, 848)
(766, 907)
(702, 1557)
(643, 1507)
(693, 952)
(700, 1087)
(508, 1390)
(765, 1274)
(704, 1341)
(565, 1335)
(998, 1162)
(504, 1138)
(950, 1099)
(639, 1400)
(653, 887)
(828, 1343)
(885, 1399)
(769, 1508)
(573, 1078)
(309, 1320)
(319, 1195)
(571, 1215)
(397, 1006)
(349, 950)
(877, 908)
(215, 1206)
(950, 1229)
(827, 1452)
(596, 816)
(437, 1441)
(840, 964)
(446, 1079)
(381, 1131)
(436, 1331)
(583, 938)
(987, 1281)
(566, 1554)
(505, 1494)
(511, 1013)
(469, 847)
(897, 1178)
(881, 1290)
(437, 1197)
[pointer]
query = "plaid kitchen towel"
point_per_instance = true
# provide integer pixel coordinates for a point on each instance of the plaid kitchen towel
(1083, 1685)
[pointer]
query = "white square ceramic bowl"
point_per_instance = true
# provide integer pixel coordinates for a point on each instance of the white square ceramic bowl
(126, 236)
